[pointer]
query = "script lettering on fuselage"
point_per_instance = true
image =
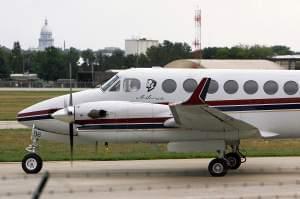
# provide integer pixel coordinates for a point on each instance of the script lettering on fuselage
(149, 97)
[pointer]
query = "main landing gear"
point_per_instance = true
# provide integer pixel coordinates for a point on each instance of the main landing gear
(219, 166)
(32, 163)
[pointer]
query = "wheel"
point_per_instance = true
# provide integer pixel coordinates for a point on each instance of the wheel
(218, 167)
(32, 163)
(234, 160)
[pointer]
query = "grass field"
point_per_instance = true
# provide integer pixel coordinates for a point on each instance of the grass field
(13, 142)
(11, 102)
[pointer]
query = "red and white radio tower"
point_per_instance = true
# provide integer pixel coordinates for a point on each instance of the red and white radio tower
(197, 41)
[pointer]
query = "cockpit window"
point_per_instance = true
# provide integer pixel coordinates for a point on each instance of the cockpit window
(110, 82)
(131, 85)
(115, 87)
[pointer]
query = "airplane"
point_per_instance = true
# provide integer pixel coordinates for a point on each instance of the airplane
(188, 109)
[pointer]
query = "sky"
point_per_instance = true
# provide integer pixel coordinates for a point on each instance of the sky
(97, 24)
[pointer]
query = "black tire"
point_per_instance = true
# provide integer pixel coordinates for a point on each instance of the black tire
(218, 167)
(234, 160)
(32, 163)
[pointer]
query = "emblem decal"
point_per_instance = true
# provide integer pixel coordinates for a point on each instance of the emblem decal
(151, 84)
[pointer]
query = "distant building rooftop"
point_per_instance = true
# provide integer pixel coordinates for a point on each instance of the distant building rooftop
(291, 62)
(286, 57)
(24, 77)
(225, 64)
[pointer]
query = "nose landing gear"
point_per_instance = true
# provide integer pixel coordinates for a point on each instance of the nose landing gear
(32, 163)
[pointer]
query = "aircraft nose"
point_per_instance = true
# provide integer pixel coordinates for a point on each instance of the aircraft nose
(39, 111)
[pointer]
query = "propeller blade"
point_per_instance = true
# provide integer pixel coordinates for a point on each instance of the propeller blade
(71, 125)
(71, 98)
(71, 135)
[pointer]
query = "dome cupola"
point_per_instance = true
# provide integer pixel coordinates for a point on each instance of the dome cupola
(45, 39)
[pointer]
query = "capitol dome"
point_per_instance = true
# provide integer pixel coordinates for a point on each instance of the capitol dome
(45, 39)
(46, 29)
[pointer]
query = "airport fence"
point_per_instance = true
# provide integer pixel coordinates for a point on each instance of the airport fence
(42, 84)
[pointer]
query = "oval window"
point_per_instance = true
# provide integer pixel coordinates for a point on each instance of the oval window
(189, 85)
(250, 87)
(231, 87)
(169, 86)
(213, 87)
(270, 87)
(290, 87)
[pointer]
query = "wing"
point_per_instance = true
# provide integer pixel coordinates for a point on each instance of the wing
(196, 114)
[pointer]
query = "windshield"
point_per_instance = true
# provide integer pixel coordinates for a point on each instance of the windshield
(110, 82)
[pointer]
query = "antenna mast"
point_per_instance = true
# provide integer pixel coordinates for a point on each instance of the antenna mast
(197, 41)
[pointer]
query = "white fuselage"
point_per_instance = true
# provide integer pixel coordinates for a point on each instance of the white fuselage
(266, 99)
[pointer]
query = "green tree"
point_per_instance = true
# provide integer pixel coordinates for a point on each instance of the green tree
(88, 57)
(260, 52)
(209, 53)
(116, 60)
(222, 53)
(168, 51)
(281, 50)
(16, 58)
(143, 61)
(238, 52)
(5, 70)
(52, 64)
(72, 56)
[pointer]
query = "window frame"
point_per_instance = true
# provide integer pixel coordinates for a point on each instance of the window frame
(290, 81)
(185, 83)
(109, 83)
(118, 83)
(217, 83)
(277, 87)
(125, 84)
(226, 90)
(173, 90)
(256, 89)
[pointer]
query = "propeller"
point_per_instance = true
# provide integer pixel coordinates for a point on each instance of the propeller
(67, 114)
(70, 113)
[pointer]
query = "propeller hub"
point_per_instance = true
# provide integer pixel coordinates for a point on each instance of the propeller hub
(65, 114)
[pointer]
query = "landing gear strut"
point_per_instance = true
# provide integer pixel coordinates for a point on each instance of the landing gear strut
(32, 163)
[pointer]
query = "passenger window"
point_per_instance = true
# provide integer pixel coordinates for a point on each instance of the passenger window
(131, 85)
(290, 88)
(270, 87)
(189, 85)
(231, 87)
(116, 87)
(213, 87)
(169, 86)
(250, 87)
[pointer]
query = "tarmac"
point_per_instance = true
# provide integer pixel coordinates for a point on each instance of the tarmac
(269, 177)
(11, 125)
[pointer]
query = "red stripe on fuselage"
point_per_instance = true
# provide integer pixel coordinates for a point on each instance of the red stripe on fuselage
(210, 103)
(34, 113)
(253, 101)
(123, 120)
